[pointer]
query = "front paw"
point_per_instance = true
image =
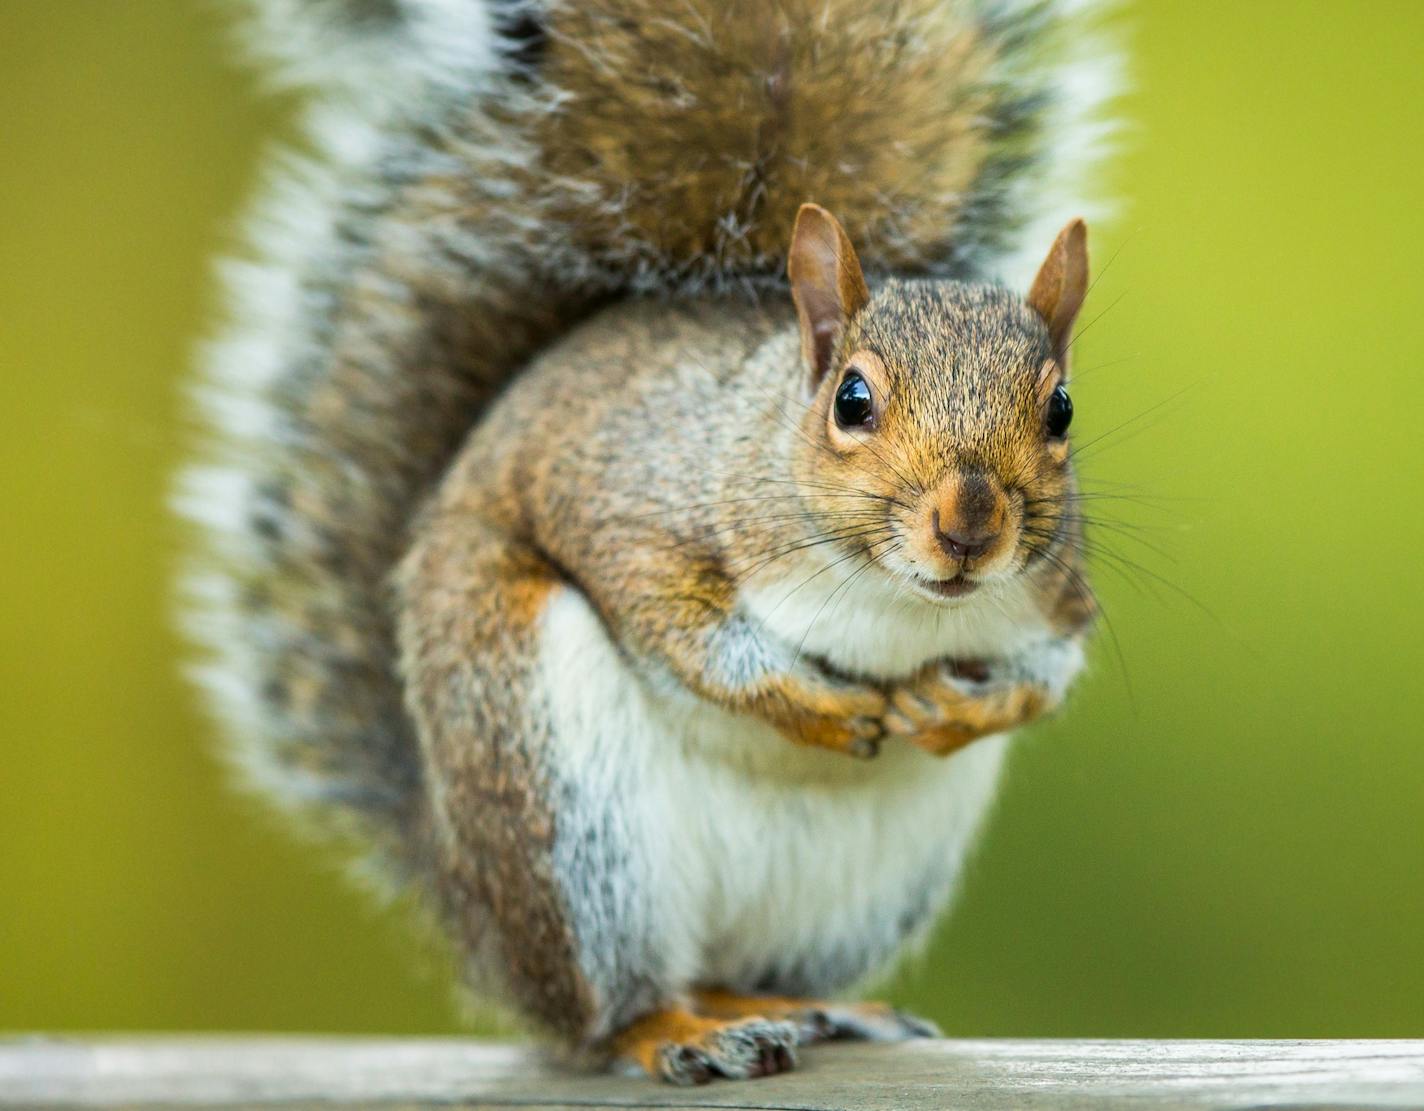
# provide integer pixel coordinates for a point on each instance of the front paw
(941, 711)
(858, 735)
(846, 718)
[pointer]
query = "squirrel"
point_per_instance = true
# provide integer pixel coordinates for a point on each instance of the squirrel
(615, 546)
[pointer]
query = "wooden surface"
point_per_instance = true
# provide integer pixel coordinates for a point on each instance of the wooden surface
(974, 1075)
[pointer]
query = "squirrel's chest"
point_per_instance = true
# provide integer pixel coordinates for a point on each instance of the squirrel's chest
(720, 852)
(866, 625)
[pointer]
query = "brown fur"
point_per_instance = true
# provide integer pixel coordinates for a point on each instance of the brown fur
(491, 807)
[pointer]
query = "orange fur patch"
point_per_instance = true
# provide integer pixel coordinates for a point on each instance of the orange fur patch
(641, 1041)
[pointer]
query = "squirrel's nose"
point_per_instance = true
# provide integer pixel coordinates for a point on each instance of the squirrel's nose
(964, 543)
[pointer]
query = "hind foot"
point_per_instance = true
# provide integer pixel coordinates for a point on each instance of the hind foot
(818, 1020)
(684, 1048)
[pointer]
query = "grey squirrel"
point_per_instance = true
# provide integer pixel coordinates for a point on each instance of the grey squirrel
(639, 614)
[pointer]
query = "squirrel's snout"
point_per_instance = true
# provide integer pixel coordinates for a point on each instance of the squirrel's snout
(963, 543)
(968, 516)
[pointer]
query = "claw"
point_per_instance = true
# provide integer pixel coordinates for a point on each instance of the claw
(737, 1051)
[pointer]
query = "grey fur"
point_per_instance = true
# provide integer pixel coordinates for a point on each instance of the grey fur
(397, 279)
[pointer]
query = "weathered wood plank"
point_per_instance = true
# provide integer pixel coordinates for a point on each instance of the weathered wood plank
(986, 1075)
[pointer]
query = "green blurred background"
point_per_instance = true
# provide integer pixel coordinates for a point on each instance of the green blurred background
(1224, 836)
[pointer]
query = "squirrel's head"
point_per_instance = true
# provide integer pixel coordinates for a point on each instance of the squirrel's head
(944, 403)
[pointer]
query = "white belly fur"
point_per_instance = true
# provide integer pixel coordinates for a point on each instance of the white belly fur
(697, 846)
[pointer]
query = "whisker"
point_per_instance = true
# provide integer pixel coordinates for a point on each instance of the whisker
(869, 561)
(1078, 449)
(815, 486)
(793, 548)
(791, 424)
(817, 574)
(1081, 331)
(1087, 595)
(715, 504)
(1125, 529)
(1108, 265)
(904, 478)
(846, 520)
(1079, 375)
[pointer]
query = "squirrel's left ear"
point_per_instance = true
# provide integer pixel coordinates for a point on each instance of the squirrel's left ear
(826, 284)
(1061, 285)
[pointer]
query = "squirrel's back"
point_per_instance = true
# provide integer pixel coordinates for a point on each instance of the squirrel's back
(484, 174)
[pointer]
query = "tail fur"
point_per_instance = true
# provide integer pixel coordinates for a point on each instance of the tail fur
(484, 174)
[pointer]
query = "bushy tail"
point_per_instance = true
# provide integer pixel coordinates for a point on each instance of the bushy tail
(484, 174)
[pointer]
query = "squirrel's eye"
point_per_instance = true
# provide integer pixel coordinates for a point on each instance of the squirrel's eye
(1060, 413)
(853, 408)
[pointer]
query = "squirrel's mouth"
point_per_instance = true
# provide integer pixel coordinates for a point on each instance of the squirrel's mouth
(956, 587)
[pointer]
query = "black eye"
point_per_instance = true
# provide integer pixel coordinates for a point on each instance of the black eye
(853, 408)
(1060, 413)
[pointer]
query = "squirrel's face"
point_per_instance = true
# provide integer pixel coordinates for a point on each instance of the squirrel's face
(946, 405)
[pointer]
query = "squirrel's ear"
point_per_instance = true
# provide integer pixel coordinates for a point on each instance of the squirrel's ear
(826, 284)
(1061, 285)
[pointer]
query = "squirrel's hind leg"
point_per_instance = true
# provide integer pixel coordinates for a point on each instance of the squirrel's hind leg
(538, 855)
(471, 603)
(818, 1020)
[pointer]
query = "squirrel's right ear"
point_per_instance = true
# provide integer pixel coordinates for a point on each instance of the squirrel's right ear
(826, 284)
(1061, 285)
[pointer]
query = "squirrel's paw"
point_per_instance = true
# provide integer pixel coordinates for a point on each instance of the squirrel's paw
(819, 1020)
(865, 1022)
(683, 1048)
(842, 717)
(736, 1051)
(947, 704)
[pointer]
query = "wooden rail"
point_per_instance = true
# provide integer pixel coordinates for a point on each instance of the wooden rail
(171, 1073)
